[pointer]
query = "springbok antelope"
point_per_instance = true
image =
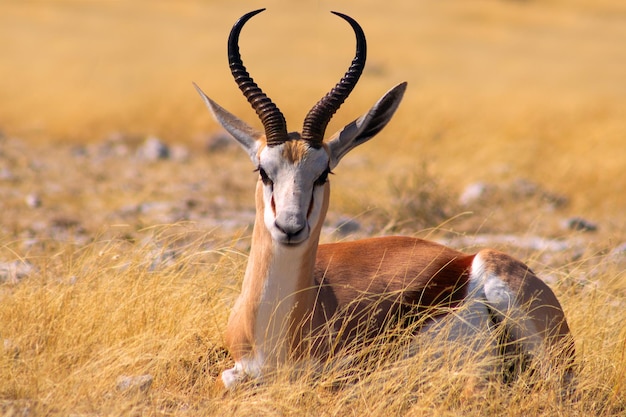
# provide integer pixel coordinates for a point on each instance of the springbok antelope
(299, 298)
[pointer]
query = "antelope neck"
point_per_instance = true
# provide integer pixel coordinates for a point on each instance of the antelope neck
(277, 276)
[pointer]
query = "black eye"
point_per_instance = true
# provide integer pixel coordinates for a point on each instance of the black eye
(266, 180)
(321, 180)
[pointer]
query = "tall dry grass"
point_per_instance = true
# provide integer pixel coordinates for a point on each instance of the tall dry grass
(497, 90)
(114, 308)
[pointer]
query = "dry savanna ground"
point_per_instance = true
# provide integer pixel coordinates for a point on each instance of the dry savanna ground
(125, 217)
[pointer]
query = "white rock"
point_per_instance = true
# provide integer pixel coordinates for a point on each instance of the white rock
(33, 200)
(15, 271)
(153, 149)
(474, 192)
(141, 383)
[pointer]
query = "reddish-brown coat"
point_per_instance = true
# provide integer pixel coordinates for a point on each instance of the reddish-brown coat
(379, 281)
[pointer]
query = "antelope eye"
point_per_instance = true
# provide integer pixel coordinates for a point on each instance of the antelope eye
(266, 180)
(322, 179)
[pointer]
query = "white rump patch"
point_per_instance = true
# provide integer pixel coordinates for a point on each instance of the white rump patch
(502, 299)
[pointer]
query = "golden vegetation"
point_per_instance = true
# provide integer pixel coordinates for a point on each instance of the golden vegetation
(496, 88)
(113, 307)
(121, 284)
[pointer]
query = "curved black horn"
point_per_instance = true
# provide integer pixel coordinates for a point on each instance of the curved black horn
(318, 117)
(271, 117)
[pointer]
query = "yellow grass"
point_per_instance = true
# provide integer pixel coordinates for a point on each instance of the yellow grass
(498, 90)
(113, 308)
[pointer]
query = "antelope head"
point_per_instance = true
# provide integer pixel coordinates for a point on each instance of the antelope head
(293, 167)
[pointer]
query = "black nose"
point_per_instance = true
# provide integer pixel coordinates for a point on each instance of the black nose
(290, 231)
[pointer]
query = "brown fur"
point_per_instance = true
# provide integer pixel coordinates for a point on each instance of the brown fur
(294, 150)
(239, 335)
(382, 280)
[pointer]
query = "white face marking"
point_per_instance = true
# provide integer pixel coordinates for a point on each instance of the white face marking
(293, 191)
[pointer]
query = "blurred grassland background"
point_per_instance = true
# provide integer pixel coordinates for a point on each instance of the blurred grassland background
(129, 267)
(497, 88)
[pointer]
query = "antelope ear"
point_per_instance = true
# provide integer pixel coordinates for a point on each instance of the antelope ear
(247, 136)
(367, 126)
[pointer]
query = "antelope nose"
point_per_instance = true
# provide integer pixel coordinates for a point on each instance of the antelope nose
(291, 229)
